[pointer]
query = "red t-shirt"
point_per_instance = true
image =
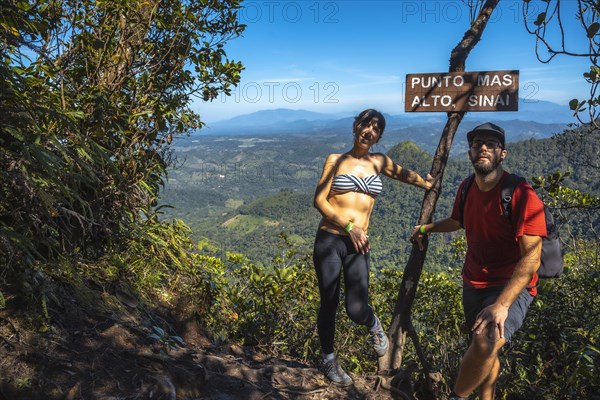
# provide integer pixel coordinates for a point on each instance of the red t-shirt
(492, 239)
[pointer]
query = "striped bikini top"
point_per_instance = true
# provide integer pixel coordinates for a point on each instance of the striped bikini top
(371, 184)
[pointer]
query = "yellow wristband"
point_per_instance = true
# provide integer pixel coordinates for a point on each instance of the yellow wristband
(349, 227)
(422, 229)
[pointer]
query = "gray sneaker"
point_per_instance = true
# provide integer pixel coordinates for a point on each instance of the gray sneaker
(379, 341)
(334, 372)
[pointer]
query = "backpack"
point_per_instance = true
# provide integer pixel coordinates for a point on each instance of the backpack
(551, 259)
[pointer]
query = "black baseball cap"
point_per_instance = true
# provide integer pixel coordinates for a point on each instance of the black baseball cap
(488, 127)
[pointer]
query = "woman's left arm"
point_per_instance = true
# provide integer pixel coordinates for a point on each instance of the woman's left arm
(392, 170)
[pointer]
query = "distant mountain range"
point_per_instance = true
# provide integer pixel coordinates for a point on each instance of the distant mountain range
(274, 117)
(280, 120)
(283, 120)
(539, 119)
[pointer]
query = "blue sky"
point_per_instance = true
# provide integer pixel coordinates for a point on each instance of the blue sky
(343, 56)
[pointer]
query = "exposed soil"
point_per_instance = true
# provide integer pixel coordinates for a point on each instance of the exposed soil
(101, 345)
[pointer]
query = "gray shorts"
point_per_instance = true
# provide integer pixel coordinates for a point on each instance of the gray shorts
(475, 300)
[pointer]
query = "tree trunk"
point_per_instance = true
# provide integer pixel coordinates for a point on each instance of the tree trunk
(401, 325)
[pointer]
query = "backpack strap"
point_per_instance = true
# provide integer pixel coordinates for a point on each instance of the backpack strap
(508, 188)
(467, 183)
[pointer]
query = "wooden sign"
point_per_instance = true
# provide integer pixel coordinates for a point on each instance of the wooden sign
(462, 91)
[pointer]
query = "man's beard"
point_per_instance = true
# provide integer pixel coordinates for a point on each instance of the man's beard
(487, 168)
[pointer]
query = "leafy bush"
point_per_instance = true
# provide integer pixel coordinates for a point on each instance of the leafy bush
(85, 138)
(275, 305)
(556, 355)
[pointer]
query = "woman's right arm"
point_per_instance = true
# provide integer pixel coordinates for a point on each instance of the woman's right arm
(320, 201)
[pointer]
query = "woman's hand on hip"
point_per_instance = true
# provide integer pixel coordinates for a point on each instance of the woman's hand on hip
(360, 240)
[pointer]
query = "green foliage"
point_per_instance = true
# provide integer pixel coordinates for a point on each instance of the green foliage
(438, 319)
(152, 253)
(92, 94)
(556, 355)
(275, 305)
(565, 197)
(437, 316)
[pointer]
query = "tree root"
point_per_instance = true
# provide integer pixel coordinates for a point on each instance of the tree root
(385, 383)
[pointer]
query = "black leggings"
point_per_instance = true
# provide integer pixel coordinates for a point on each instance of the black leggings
(331, 253)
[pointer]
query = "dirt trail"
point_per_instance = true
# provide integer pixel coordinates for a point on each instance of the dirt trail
(121, 350)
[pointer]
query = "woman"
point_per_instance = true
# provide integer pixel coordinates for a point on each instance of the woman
(345, 196)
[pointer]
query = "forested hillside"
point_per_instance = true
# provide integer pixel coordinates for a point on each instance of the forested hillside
(267, 189)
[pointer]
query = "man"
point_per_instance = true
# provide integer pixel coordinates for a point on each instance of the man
(499, 273)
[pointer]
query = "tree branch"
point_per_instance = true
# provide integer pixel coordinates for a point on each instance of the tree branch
(401, 318)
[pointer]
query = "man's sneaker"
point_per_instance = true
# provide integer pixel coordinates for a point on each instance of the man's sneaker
(334, 372)
(379, 341)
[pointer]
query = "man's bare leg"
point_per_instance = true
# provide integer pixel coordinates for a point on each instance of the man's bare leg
(480, 366)
(488, 386)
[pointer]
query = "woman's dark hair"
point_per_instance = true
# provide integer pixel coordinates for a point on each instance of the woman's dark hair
(367, 118)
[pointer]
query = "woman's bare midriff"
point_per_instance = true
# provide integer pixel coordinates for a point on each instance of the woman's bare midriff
(353, 206)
